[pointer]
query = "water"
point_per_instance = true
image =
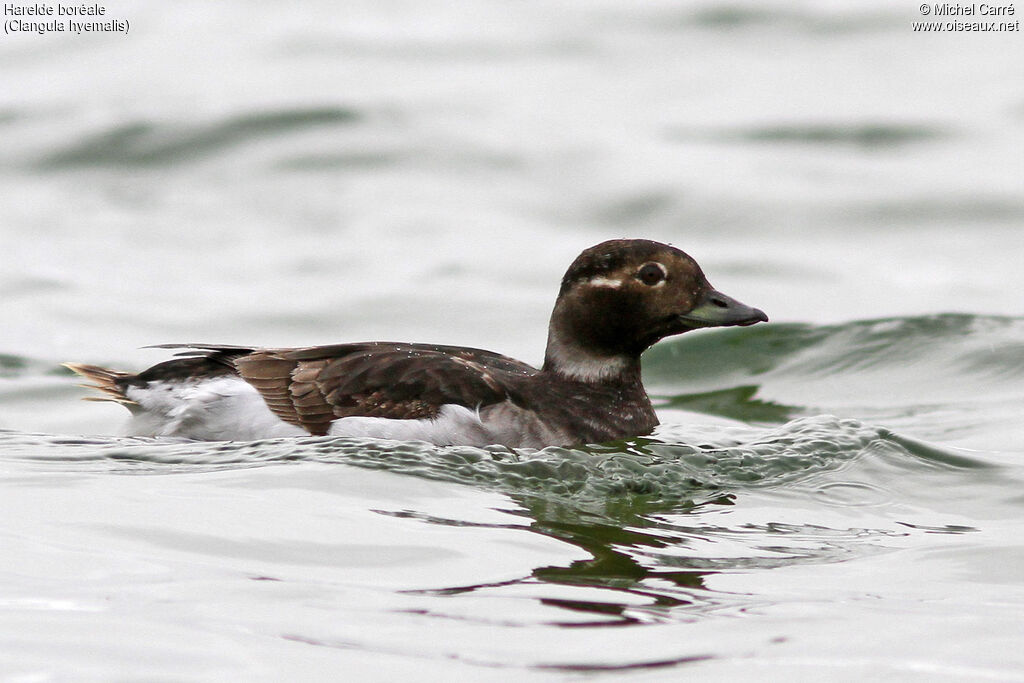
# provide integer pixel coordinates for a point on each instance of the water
(835, 495)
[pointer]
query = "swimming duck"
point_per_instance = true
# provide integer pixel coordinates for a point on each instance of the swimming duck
(616, 300)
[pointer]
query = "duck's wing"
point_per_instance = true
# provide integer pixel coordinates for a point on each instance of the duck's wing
(311, 387)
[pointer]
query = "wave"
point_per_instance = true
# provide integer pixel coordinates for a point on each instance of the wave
(146, 143)
(667, 469)
(967, 344)
(950, 359)
(655, 517)
(869, 135)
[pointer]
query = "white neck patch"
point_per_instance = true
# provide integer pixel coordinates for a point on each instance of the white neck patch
(578, 365)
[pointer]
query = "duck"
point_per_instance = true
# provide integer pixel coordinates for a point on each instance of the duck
(616, 300)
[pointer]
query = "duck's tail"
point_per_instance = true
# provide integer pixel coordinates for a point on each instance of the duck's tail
(103, 380)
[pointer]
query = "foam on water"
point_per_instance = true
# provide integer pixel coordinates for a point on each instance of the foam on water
(651, 465)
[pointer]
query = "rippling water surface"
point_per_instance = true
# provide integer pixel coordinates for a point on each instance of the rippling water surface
(835, 495)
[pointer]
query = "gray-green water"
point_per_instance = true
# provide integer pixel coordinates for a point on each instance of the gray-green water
(835, 495)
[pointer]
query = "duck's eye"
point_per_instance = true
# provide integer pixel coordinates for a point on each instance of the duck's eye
(651, 273)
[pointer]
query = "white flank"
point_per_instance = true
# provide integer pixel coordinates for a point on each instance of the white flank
(230, 409)
(453, 425)
(217, 409)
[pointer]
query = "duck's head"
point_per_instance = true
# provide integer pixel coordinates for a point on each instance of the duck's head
(621, 296)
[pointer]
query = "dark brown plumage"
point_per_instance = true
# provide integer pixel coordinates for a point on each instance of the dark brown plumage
(615, 300)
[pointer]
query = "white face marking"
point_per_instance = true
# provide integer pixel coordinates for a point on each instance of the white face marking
(599, 281)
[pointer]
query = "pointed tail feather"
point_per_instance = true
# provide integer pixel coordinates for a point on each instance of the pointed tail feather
(103, 380)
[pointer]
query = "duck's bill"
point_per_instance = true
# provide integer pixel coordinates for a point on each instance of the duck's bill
(718, 310)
